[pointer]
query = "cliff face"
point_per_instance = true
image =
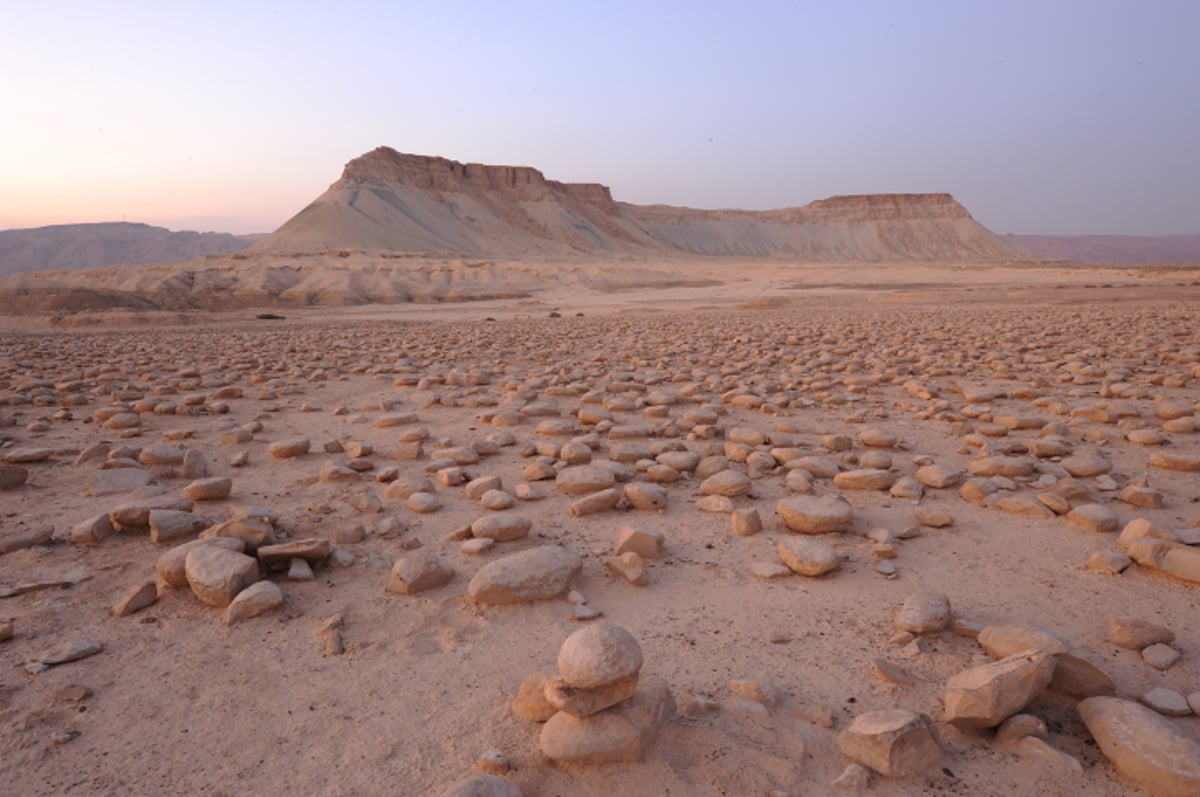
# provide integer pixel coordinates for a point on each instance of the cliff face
(388, 200)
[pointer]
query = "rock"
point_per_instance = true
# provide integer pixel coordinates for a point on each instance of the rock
(1113, 562)
(92, 531)
(1085, 464)
(890, 672)
(216, 575)
(729, 483)
(117, 480)
(1034, 747)
(1143, 746)
(745, 522)
(531, 704)
(1167, 460)
(258, 598)
(171, 566)
(621, 734)
(933, 518)
(168, 525)
(864, 479)
(984, 696)
(924, 612)
(485, 786)
(598, 655)
(1078, 678)
(535, 574)
(291, 447)
(73, 651)
(645, 497)
(907, 488)
(629, 566)
(854, 777)
(1166, 701)
(769, 570)
(584, 479)
(255, 532)
(1012, 467)
(20, 540)
(644, 542)
(13, 476)
(939, 477)
(1002, 641)
(136, 514)
(418, 572)
(23, 456)
(1093, 517)
(586, 702)
(299, 570)
(478, 486)
(136, 599)
(809, 515)
(808, 557)
(1160, 656)
(1140, 529)
(502, 526)
(312, 549)
(596, 502)
(716, 504)
(1132, 633)
(1020, 726)
(895, 743)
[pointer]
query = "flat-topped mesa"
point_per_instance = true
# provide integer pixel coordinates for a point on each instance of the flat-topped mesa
(431, 173)
(884, 207)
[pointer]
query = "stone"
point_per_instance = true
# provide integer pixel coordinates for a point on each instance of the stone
(621, 734)
(645, 497)
(136, 514)
(216, 575)
(299, 570)
(646, 543)
(26, 539)
(1140, 529)
(584, 479)
(1167, 702)
(531, 704)
(808, 557)
(1035, 747)
(254, 531)
(502, 526)
(72, 651)
(716, 504)
(1003, 640)
(1078, 678)
(628, 566)
(93, 530)
(28, 455)
(907, 488)
(933, 518)
(854, 778)
(1133, 633)
(486, 785)
(313, 549)
(418, 572)
(810, 515)
(984, 696)
(168, 525)
(258, 598)
(729, 483)
(890, 672)
(1113, 562)
(289, 448)
(1012, 467)
(171, 565)
(769, 570)
(596, 502)
(534, 574)
(1085, 464)
(136, 599)
(478, 486)
(586, 702)
(1020, 726)
(864, 479)
(894, 742)
(1143, 746)
(745, 522)
(1161, 656)
(924, 612)
(598, 655)
(939, 477)
(1168, 460)
(1093, 517)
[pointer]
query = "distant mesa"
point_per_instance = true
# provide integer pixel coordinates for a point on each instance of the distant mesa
(78, 246)
(1111, 248)
(395, 202)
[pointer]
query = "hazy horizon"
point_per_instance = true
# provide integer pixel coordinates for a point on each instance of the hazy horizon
(1075, 119)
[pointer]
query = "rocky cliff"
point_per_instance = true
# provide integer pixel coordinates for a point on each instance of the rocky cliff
(390, 201)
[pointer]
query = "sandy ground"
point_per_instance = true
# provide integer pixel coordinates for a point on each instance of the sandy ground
(179, 702)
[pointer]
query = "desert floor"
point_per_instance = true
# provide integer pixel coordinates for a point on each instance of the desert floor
(957, 365)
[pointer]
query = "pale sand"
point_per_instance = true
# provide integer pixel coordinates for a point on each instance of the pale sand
(183, 704)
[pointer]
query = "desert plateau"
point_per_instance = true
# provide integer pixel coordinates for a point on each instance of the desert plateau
(468, 482)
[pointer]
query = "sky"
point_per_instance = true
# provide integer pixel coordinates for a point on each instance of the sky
(1065, 117)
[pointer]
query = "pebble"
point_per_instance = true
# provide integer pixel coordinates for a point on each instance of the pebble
(1166, 701)
(924, 612)
(418, 572)
(808, 557)
(1161, 656)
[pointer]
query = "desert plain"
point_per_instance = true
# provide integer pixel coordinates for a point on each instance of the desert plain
(850, 498)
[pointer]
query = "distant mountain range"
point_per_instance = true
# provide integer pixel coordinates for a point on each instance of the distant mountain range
(78, 246)
(1111, 248)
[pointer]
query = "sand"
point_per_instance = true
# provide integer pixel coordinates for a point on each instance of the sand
(180, 702)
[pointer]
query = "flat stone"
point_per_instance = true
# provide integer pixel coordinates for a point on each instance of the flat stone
(117, 480)
(1161, 656)
(584, 479)
(171, 565)
(72, 651)
(1167, 702)
(168, 525)
(289, 448)
(1143, 746)
(313, 549)
(596, 502)
(1078, 678)
(535, 574)
(1004, 640)
(810, 515)
(895, 743)
(729, 483)
(642, 541)
(1133, 633)
(939, 477)
(258, 598)
(864, 479)
(645, 497)
(621, 734)
(808, 557)
(984, 696)
(136, 514)
(924, 612)
(1168, 460)
(136, 599)
(502, 526)
(1113, 562)
(586, 702)
(12, 476)
(216, 575)
(27, 455)
(93, 530)
(1093, 517)
(418, 572)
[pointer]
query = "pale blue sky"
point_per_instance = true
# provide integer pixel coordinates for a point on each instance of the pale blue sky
(1041, 117)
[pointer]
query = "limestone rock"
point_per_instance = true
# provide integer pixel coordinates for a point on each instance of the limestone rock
(213, 488)
(745, 522)
(642, 541)
(894, 742)
(117, 480)
(1093, 517)
(1144, 746)
(13, 476)
(1078, 678)
(136, 599)
(586, 702)
(171, 566)
(485, 786)
(418, 572)
(808, 557)
(584, 479)
(502, 526)
(1135, 634)
(258, 598)
(291, 447)
(216, 575)
(621, 734)
(1003, 640)
(984, 696)
(864, 479)
(729, 483)
(809, 515)
(598, 655)
(924, 612)
(313, 549)
(168, 525)
(535, 574)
